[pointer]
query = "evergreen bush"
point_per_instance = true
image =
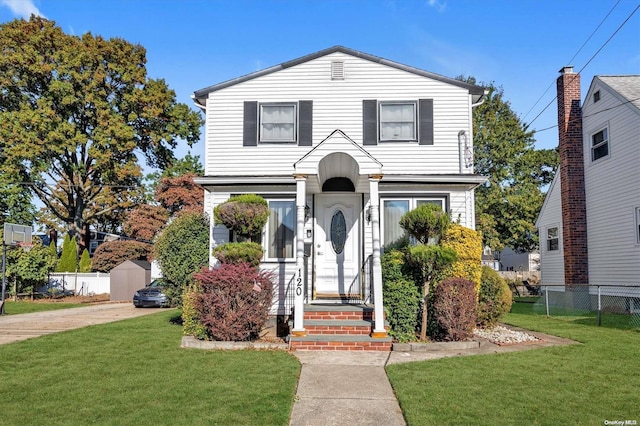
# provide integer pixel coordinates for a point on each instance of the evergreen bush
(191, 325)
(85, 262)
(494, 299)
(245, 215)
(467, 243)
(454, 308)
(69, 258)
(401, 297)
(234, 302)
(239, 252)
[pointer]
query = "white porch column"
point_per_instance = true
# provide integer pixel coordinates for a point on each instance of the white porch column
(298, 316)
(378, 329)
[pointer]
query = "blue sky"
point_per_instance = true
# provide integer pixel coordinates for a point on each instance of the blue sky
(518, 44)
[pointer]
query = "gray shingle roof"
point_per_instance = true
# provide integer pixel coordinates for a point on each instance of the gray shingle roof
(628, 86)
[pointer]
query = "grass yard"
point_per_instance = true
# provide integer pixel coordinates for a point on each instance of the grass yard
(582, 384)
(25, 307)
(134, 372)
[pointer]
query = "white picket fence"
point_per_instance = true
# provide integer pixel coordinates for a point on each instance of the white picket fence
(82, 284)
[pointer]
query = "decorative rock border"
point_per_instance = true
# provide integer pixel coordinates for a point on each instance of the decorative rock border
(193, 343)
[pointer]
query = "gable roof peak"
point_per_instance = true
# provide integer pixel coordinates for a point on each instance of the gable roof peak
(199, 96)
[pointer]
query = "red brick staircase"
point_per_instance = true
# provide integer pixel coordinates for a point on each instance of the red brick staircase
(337, 327)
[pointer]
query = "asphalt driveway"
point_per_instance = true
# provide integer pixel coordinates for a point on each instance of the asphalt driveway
(25, 326)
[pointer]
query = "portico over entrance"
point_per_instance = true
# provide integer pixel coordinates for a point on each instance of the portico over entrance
(342, 180)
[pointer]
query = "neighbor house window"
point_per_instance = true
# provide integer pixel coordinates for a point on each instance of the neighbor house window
(398, 121)
(552, 239)
(280, 229)
(596, 96)
(278, 122)
(600, 144)
(394, 209)
(638, 225)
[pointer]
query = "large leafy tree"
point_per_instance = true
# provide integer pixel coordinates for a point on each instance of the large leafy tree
(508, 204)
(75, 111)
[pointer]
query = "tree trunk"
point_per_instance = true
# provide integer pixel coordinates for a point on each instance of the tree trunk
(423, 329)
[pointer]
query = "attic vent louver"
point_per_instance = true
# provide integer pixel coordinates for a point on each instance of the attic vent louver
(337, 70)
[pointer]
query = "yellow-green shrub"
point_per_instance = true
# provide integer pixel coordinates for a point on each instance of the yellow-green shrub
(494, 299)
(191, 325)
(468, 244)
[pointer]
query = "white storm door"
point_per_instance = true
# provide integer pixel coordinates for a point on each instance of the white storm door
(337, 246)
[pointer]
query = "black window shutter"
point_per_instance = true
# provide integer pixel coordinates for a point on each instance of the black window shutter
(305, 132)
(250, 126)
(425, 131)
(369, 122)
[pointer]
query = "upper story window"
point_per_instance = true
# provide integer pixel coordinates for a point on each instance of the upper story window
(398, 121)
(278, 122)
(596, 96)
(553, 241)
(600, 144)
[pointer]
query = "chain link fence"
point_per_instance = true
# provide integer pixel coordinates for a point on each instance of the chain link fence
(602, 305)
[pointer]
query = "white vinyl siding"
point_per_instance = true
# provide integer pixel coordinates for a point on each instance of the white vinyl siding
(337, 104)
(551, 262)
(612, 189)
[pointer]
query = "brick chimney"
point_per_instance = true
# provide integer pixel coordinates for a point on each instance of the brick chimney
(574, 211)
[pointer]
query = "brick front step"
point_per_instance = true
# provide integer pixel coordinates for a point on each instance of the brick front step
(337, 327)
(354, 327)
(340, 343)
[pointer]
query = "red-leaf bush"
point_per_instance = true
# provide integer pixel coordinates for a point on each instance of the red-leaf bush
(454, 307)
(234, 301)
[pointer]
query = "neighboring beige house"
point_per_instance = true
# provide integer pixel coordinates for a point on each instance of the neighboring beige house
(340, 143)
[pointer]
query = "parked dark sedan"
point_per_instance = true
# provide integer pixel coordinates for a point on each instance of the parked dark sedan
(152, 295)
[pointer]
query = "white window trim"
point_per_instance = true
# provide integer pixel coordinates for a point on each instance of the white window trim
(605, 141)
(261, 139)
(413, 203)
(637, 223)
(547, 239)
(265, 235)
(415, 120)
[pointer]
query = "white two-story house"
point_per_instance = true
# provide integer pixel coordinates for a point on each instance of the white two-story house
(341, 144)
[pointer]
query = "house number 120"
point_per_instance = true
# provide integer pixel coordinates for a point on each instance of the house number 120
(299, 283)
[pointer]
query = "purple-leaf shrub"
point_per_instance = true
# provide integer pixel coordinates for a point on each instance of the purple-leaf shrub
(454, 307)
(234, 302)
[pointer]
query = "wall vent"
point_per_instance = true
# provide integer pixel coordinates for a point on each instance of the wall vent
(337, 70)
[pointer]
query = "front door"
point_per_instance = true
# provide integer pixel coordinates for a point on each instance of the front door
(337, 246)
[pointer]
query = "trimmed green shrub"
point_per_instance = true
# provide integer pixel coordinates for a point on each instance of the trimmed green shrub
(234, 301)
(182, 249)
(401, 297)
(85, 262)
(494, 299)
(425, 222)
(454, 308)
(191, 325)
(245, 215)
(248, 252)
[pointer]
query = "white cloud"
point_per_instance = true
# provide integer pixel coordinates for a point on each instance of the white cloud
(22, 8)
(439, 5)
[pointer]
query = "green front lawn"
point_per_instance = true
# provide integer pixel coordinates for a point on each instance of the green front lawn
(588, 383)
(134, 372)
(24, 307)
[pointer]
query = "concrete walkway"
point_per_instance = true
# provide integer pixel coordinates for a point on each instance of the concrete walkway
(344, 388)
(14, 328)
(352, 388)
